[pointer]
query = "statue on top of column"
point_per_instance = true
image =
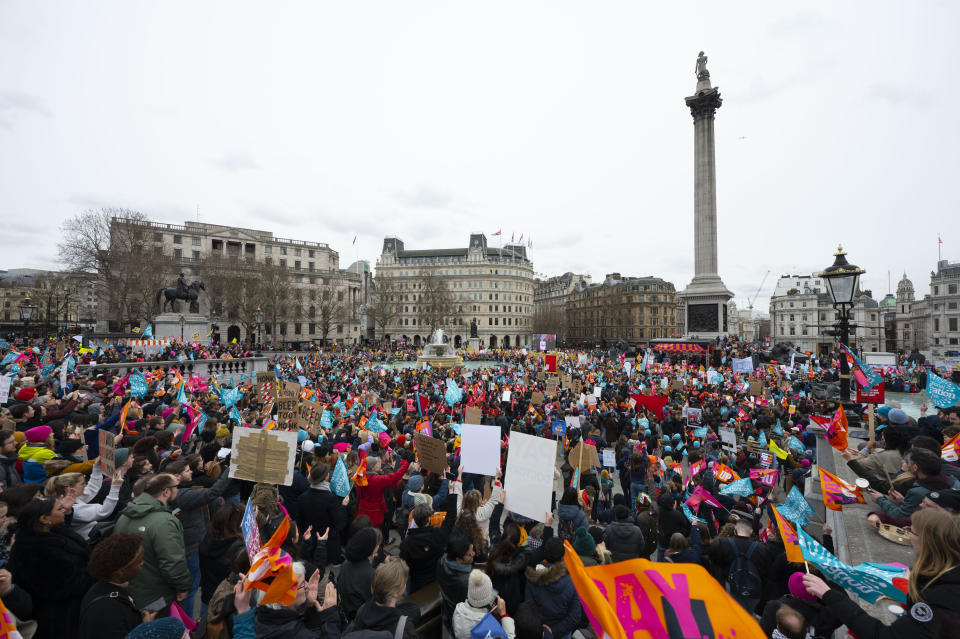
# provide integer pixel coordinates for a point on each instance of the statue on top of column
(701, 70)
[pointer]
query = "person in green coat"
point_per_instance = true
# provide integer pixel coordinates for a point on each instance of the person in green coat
(164, 574)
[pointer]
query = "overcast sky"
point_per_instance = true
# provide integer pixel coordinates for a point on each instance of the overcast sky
(563, 121)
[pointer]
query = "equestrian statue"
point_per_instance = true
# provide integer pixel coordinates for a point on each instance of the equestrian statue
(182, 292)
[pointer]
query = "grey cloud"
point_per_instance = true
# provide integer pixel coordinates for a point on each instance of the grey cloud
(897, 96)
(424, 197)
(235, 162)
(14, 102)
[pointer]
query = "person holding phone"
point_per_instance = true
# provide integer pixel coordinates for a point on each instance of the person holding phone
(481, 599)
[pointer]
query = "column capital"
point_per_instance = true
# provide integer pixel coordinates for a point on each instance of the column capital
(705, 103)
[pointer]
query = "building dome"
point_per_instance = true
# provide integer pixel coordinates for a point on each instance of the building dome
(889, 301)
(905, 290)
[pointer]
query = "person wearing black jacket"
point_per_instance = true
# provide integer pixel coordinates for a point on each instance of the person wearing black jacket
(725, 551)
(424, 545)
(107, 610)
(321, 508)
(219, 548)
(670, 521)
(623, 538)
(453, 575)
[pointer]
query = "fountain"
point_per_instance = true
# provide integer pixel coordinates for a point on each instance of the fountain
(438, 352)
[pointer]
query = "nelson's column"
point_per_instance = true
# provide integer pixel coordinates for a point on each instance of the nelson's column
(706, 296)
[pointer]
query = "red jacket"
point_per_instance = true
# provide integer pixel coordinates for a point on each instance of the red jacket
(371, 501)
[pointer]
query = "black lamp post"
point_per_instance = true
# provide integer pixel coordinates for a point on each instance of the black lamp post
(842, 279)
(258, 318)
(26, 314)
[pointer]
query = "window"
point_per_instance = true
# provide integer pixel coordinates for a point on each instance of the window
(296, 265)
(313, 329)
(952, 324)
(158, 237)
(936, 324)
(339, 329)
(296, 252)
(177, 252)
(310, 265)
(283, 328)
(196, 255)
(283, 262)
(268, 261)
(951, 306)
(267, 249)
(296, 328)
(311, 253)
(936, 290)
(952, 289)
(954, 341)
(283, 250)
(178, 239)
(195, 241)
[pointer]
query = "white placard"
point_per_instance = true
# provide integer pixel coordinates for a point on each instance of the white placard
(4, 389)
(597, 391)
(529, 479)
(728, 435)
(609, 460)
(480, 449)
(664, 382)
(572, 422)
(506, 396)
(627, 368)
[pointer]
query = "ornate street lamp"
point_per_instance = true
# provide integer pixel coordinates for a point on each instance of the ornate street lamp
(26, 313)
(842, 278)
(258, 318)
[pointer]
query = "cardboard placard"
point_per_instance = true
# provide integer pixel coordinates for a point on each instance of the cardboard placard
(529, 479)
(61, 351)
(266, 386)
(290, 389)
(553, 384)
(756, 388)
(431, 453)
(309, 416)
(387, 407)
(266, 456)
(107, 451)
(676, 385)
(566, 380)
(536, 398)
(286, 409)
(541, 376)
(472, 415)
(590, 457)
(576, 386)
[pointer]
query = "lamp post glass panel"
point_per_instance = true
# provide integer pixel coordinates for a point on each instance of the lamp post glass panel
(26, 313)
(183, 321)
(842, 278)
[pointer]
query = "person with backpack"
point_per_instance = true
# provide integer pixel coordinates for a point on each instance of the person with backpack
(482, 600)
(743, 561)
(424, 545)
(383, 616)
(623, 538)
(571, 515)
(551, 588)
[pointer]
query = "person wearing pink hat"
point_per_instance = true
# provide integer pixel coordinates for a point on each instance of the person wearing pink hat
(39, 446)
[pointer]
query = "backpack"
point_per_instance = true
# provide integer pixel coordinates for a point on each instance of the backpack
(488, 628)
(352, 633)
(744, 577)
(566, 529)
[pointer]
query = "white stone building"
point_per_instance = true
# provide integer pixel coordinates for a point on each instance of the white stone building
(450, 288)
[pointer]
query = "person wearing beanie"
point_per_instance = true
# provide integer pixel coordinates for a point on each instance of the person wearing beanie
(481, 599)
(623, 538)
(586, 546)
(353, 583)
(550, 587)
(39, 447)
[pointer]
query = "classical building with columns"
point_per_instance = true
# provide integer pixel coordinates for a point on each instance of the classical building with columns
(420, 290)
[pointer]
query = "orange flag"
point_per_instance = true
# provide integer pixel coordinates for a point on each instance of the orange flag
(951, 450)
(658, 600)
(837, 492)
(835, 428)
(8, 630)
(123, 418)
(789, 538)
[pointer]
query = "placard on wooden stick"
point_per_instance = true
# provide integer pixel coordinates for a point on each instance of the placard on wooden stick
(472, 415)
(309, 415)
(287, 414)
(431, 453)
(553, 385)
(756, 388)
(266, 456)
(290, 389)
(590, 456)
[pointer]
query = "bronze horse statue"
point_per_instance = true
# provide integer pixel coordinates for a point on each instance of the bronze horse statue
(172, 294)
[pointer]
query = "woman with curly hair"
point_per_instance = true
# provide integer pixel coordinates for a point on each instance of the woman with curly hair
(107, 610)
(506, 565)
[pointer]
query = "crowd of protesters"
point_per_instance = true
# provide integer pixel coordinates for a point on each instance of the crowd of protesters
(156, 548)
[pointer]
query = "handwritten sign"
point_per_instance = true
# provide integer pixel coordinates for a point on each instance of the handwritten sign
(431, 453)
(552, 386)
(536, 398)
(473, 415)
(107, 452)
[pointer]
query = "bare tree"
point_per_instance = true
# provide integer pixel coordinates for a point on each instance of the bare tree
(278, 300)
(235, 289)
(436, 305)
(385, 303)
(331, 309)
(116, 245)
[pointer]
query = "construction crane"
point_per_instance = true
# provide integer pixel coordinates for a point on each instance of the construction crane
(760, 288)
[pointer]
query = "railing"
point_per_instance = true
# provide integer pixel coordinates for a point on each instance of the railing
(240, 368)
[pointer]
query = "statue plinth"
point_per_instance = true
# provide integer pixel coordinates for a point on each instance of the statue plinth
(194, 328)
(473, 345)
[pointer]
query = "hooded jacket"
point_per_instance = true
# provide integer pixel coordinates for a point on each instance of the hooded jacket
(624, 540)
(508, 577)
(191, 501)
(373, 616)
(551, 588)
(936, 617)
(423, 547)
(164, 571)
(454, 581)
(305, 622)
